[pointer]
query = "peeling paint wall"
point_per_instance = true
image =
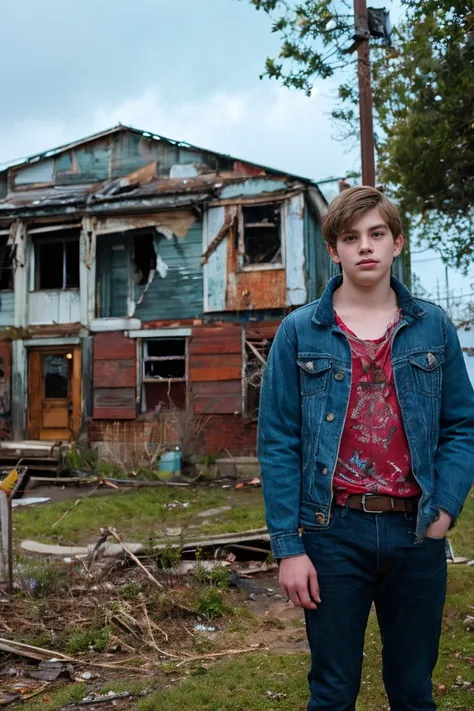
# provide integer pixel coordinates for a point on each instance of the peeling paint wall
(296, 292)
(179, 294)
(215, 270)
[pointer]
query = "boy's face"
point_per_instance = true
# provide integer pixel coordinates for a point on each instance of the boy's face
(367, 249)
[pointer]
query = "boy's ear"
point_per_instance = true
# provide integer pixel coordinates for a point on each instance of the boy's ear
(333, 253)
(397, 245)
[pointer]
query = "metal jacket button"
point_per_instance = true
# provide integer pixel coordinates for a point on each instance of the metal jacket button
(320, 518)
(339, 376)
(324, 471)
(330, 417)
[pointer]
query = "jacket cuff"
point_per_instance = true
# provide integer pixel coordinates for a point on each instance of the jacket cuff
(287, 545)
(448, 503)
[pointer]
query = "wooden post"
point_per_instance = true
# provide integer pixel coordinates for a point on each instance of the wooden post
(365, 93)
(6, 561)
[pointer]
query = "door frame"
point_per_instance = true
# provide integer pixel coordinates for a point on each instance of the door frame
(34, 399)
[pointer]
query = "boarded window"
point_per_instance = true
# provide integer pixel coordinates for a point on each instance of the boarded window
(6, 265)
(262, 234)
(164, 373)
(57, 262)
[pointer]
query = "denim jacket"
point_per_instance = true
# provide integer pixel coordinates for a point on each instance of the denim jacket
(303, 406)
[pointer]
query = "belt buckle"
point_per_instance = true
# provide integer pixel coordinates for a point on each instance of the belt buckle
(364, 498)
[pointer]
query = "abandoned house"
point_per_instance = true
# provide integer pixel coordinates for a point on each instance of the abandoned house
(141, 277)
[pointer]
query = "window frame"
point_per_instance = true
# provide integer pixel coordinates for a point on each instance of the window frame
(264, 266)
(156, 359)
(36, 266)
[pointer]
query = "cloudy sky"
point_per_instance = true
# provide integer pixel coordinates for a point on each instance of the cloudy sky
(186, 69)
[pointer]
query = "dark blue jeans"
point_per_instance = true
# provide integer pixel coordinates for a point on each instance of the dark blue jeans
(363, 558)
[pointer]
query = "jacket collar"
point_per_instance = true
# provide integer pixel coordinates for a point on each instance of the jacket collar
(324, 312)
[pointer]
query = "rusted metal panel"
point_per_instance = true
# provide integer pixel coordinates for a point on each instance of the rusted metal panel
(246, 290)
(113, 373)
(293, 214)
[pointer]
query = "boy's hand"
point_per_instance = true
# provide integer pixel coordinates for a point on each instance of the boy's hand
(439, 528)
(299, 581)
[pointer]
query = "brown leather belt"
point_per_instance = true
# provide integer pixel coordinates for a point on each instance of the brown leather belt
(373, 503)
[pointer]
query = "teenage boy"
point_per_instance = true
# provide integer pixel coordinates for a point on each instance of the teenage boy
(366, 446)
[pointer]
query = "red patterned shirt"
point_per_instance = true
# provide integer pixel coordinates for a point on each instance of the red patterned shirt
(373, 457)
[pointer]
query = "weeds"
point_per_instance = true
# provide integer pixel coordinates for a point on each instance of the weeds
(210, 604)
(95, 639)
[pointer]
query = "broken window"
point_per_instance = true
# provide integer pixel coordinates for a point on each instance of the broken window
(57, 262)
(261, 235)
(6, 265)
(256, 354)
(164, 373)
(144, 257)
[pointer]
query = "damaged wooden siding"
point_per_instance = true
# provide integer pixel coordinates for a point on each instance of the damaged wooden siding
(7, 308)
(113, 269)
(179, 294)
(114, 377)
(113, 156)
(215, 269)
(215, 362)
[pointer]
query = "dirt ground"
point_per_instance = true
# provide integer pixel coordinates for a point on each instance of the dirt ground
(262, 619)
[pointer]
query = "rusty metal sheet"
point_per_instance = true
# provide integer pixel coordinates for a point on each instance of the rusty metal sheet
(246, 290)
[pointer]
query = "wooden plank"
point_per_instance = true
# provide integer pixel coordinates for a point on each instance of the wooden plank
(214, 346)
(216, 374)
(114, 374)
(227, 405)
(261, 330)
(211, 388)
(112, 346)
(35, 395)
(5, 541)
(114, 403)
(205, 361)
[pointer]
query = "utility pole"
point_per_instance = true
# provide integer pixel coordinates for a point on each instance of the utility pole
(362, 35)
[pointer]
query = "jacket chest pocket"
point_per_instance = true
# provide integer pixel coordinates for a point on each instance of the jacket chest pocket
(314, 373)
(427, 369)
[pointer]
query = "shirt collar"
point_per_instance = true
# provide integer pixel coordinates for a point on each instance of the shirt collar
(324, 312)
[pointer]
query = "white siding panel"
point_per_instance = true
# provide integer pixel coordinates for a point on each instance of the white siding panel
(296, 293)
(54, 307)
(215, 271)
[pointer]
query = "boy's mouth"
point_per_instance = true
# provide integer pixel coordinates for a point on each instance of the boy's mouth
(366, 261)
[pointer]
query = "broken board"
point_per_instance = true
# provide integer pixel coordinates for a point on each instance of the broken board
(5, 542)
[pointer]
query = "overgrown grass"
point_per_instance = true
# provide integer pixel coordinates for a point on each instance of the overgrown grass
(139, 515)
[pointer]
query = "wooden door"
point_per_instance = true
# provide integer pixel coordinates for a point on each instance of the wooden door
(54, 393)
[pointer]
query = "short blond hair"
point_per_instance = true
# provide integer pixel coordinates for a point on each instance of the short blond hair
(351, 204)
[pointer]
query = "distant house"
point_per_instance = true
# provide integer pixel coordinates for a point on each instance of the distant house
(136, 270)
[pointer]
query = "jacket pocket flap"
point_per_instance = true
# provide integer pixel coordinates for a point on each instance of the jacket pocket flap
(312, 364)
(427, 361)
